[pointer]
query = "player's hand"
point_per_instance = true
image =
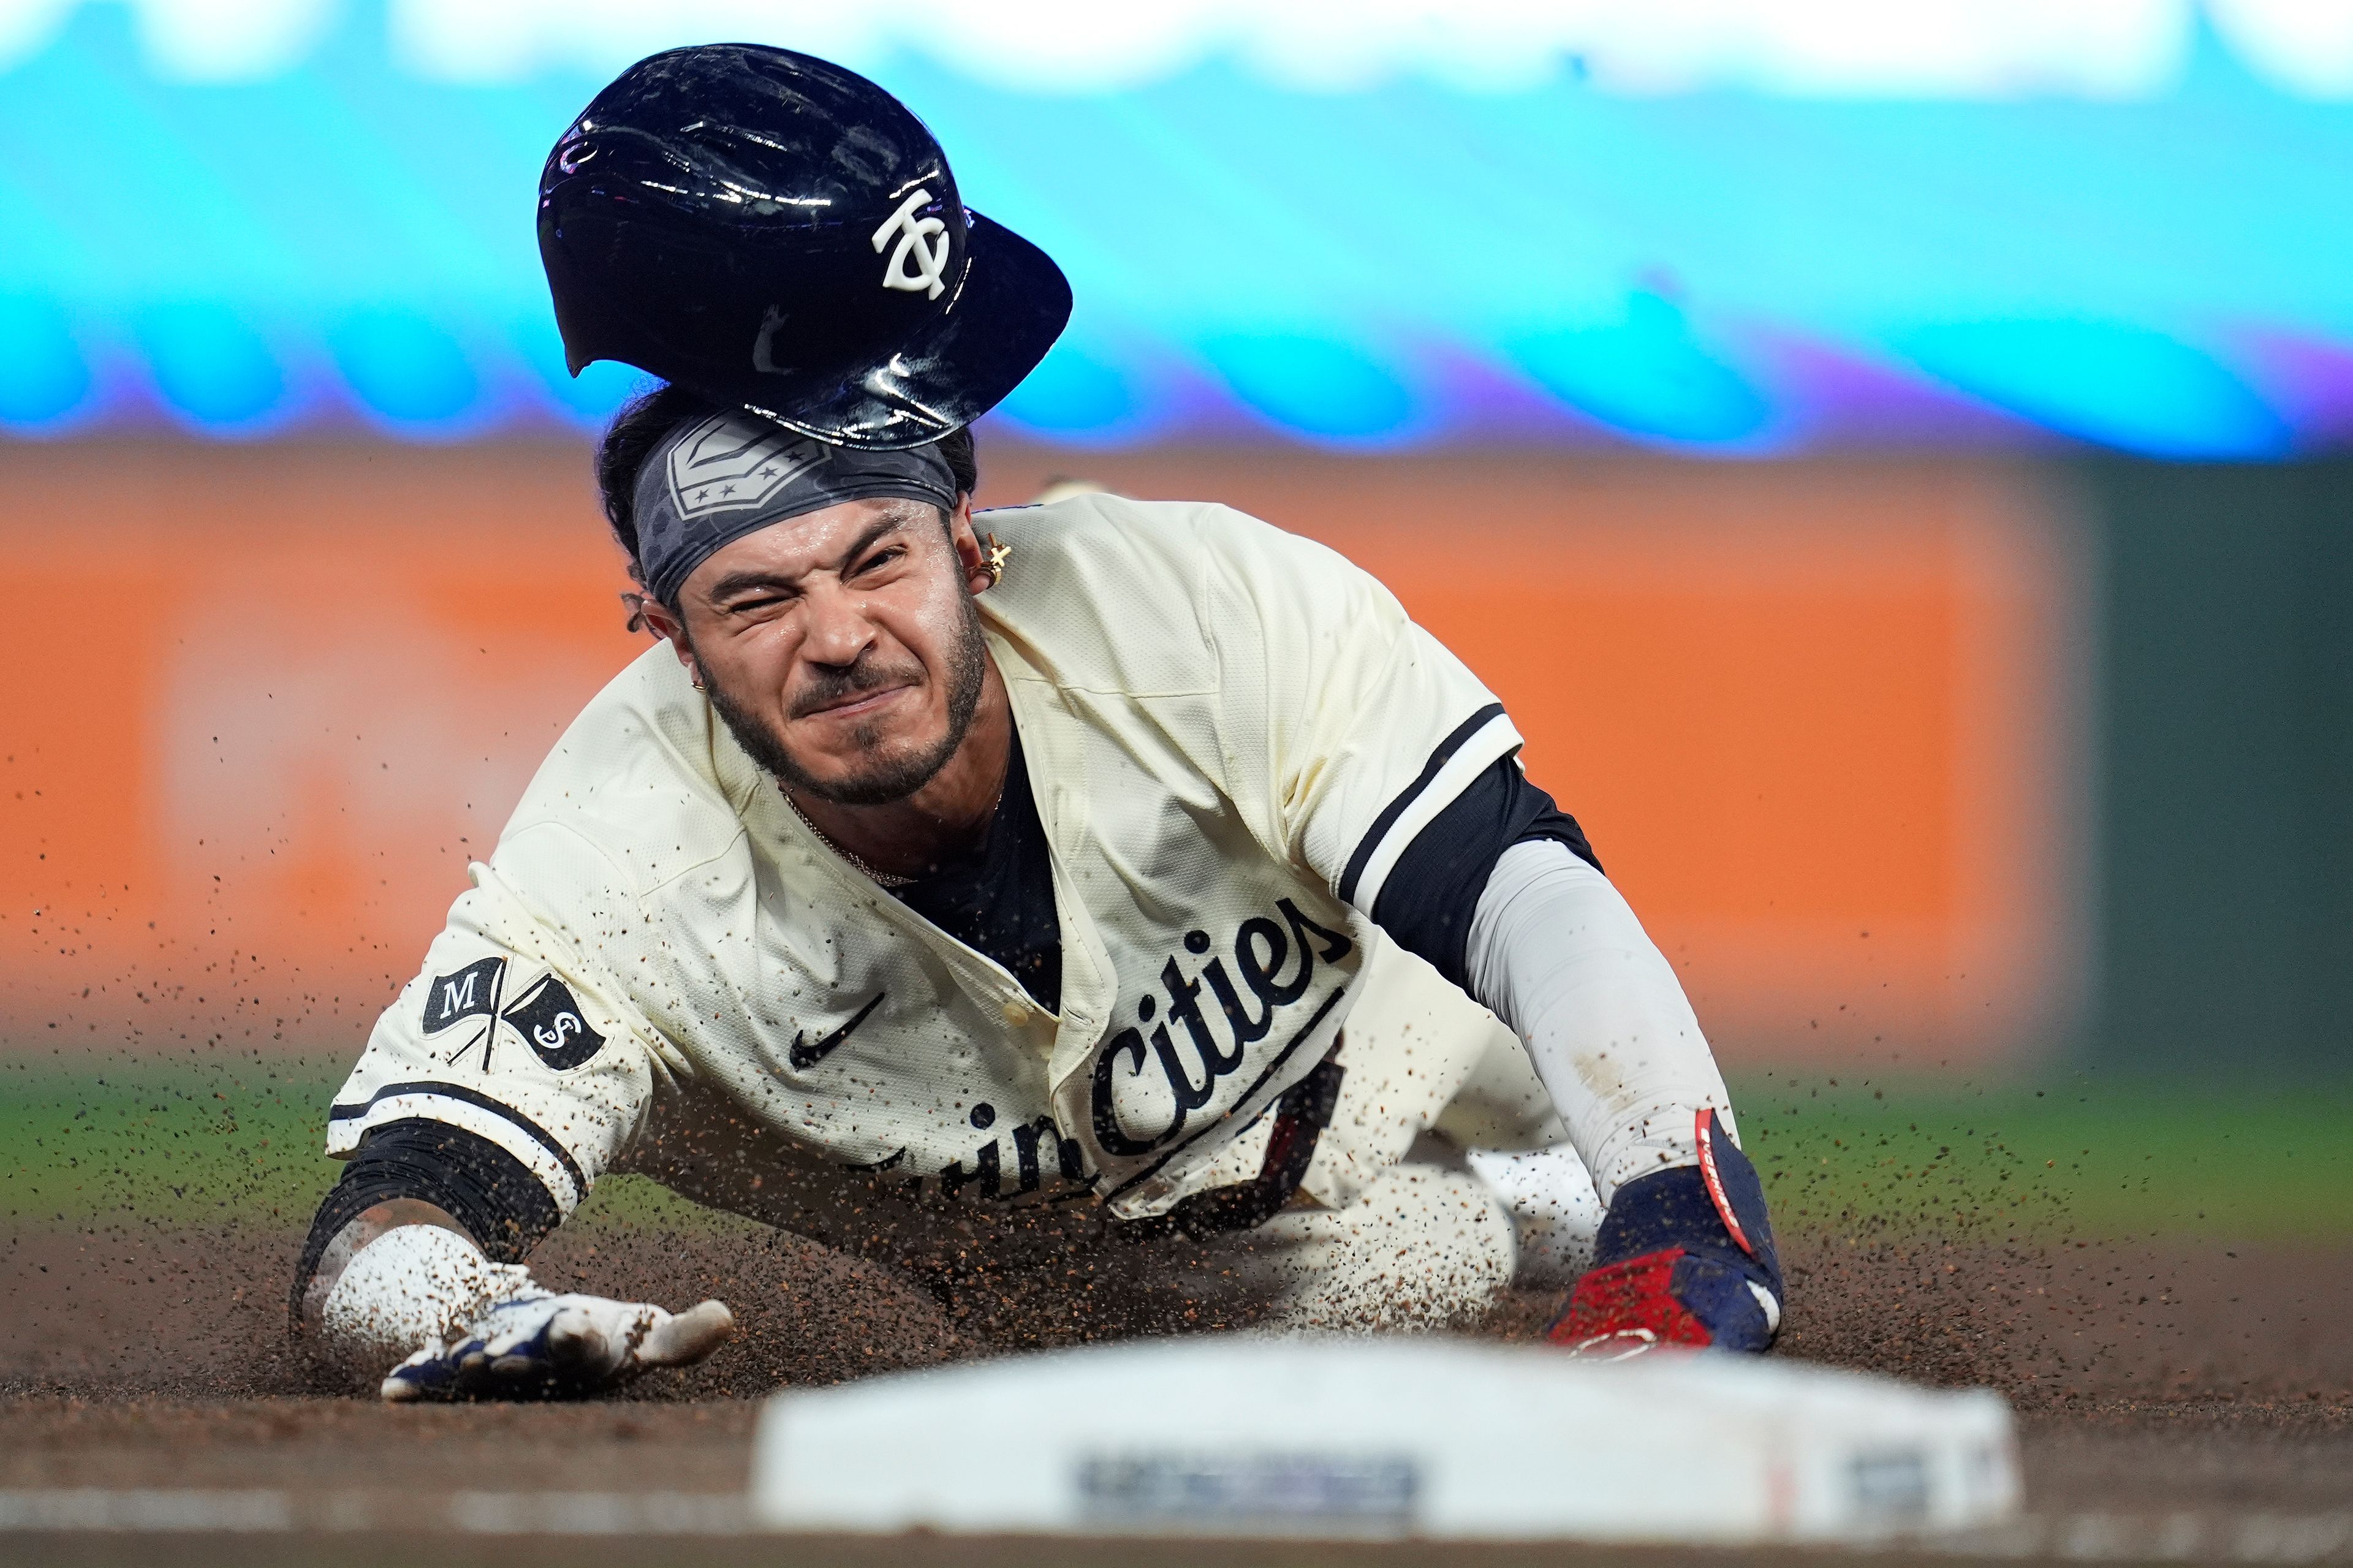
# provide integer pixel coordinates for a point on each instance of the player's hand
(539, 1345)
(1685, 1256)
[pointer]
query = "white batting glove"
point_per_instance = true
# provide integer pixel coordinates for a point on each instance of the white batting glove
(471, 1328)
(544, 1346)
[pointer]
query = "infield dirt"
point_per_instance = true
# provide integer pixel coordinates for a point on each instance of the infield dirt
(2156, 1378)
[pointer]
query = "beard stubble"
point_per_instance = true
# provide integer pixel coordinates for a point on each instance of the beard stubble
(883, 779)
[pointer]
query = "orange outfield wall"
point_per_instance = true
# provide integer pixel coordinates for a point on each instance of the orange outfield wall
(265, 703)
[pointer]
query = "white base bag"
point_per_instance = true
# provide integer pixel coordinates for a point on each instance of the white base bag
(1425, 1438)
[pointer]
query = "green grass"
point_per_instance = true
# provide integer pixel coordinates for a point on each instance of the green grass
(2077, 1157)
(179, 1148)
(155, 1142)
(151, 1144)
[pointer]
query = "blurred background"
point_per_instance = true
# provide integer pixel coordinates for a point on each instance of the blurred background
(1894, 461)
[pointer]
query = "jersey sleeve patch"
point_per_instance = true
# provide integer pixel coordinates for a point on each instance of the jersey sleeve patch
(551, 1021)
(547, 1017)
(470, 993)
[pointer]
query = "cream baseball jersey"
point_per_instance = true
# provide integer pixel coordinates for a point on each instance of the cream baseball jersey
(1230, 735)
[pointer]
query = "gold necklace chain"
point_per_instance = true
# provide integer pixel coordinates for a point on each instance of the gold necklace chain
(880, 879)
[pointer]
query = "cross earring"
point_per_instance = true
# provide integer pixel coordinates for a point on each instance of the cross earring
(993, 558)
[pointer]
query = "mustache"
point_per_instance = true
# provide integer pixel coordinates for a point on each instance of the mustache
(827, 687)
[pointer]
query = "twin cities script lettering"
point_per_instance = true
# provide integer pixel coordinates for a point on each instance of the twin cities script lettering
(986, 1174)
(1270, 978)
(1194, 1066)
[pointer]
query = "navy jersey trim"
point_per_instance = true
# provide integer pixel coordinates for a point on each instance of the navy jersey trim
(537, 1134)
(1371, 843)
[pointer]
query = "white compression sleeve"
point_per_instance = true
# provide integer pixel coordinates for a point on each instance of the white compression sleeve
(411, 1287)
(1555, 952)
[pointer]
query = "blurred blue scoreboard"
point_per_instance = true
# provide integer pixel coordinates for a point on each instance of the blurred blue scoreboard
(2147, 245)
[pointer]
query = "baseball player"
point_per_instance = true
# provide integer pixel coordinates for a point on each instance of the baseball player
(1124, 896)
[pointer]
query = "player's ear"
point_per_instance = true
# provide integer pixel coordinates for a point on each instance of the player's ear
(971, 555)
(653, 616)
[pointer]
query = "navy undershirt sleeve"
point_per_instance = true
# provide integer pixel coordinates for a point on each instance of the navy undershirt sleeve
(1430, 894)
(465, 1175)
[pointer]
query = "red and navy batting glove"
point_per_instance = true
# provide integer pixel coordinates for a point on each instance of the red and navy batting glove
(1685, 1258)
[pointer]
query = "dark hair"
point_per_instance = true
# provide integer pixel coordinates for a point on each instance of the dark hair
(661, 408)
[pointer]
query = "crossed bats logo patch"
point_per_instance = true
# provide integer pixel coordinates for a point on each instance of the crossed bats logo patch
(547, 1016)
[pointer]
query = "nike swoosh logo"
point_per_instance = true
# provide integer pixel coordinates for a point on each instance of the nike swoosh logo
(805, 1057)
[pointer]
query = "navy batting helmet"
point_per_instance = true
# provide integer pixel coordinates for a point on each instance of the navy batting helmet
(770, 230)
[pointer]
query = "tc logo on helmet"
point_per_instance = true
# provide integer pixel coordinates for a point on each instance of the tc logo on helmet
(921, 256)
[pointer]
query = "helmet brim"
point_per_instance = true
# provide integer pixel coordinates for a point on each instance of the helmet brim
(1013, 304)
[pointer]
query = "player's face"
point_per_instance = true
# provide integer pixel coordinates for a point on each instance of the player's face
(842, 648)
